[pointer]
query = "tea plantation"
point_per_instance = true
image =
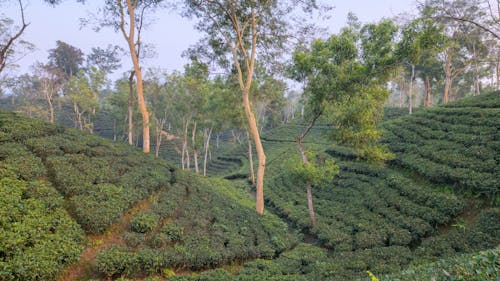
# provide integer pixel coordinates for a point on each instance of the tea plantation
(431, 213)
(457, 144)
(387, 218)
(58, 184)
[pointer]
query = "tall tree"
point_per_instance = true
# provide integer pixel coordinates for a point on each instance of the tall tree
(241, 29)
(346, 86)
(51, 82)
(129, 17)
(132, 42)
(469, 26)
(107, 60)
(67, 58)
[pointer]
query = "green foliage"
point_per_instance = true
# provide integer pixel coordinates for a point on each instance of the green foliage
(100, 180)
(212, 223)
(455, 144)
(479, 266)
(144, 222)
(320, 169)
(38, 237)
(173, 233)
(347, 85)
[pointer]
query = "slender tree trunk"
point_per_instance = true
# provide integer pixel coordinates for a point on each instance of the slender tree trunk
(234, 135)
(183, 161)
(303, 154)
(497, 71)
(158, 130)
(310, 205)
(403, 88)
(185, 145)
(195, 150)
(48, 97)
(131, 109)
(260, 153)
(51, 110)
(250, 158)
(208, 134)
(452, 94)
(477, 87)
(47, 90)
(114, 130)
(410, 94)
(217, 140)
(427, 91)
(448, 79)
(78, 116)
(130, 38)
(245, 84)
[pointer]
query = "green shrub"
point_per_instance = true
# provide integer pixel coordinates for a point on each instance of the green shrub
(144, 222)
(38, 237)
(480, 266)
(173, 233)
(115, 261)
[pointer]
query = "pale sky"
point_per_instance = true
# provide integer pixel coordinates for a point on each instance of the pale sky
(170, 34)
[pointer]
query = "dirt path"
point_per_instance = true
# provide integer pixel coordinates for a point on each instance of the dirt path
(84, 267)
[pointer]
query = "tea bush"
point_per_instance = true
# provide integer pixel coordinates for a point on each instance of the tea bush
(456, 144)
(144, 222)
(38, 237)
(212, 224)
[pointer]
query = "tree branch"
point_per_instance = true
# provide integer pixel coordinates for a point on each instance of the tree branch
(5, 50)
(460, 19)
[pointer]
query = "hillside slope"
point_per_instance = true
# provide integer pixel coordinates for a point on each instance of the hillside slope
(136, 216)
(457, 144)
(57, 183)
(383, 219)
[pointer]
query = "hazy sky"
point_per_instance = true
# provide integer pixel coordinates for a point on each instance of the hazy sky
(170, 34)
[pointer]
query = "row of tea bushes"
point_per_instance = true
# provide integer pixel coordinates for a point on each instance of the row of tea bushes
(98, 178)
(457, 144)
(38, 238)
(196, 224)
(480, 266)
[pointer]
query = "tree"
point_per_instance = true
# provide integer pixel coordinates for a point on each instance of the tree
(344, 85)
(422, 40)
(241, 29)
(130, 37)
(25, 89)
(106, 60)
(67, 58)
(129, 17)
(160, 103)
(81, 95)
(10, 40)
(482, 14)
(117, 105)
(470, 26)
(51, 82)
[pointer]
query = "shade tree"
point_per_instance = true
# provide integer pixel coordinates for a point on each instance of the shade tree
(345, 77)
(237, 32)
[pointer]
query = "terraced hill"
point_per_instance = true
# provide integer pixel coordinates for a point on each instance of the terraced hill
(78, 207)
(140, 215)
(384, 219)
(457, 144)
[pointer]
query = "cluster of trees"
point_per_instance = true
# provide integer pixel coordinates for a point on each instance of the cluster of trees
(449, 47)
(69, 86)
(450, 50)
